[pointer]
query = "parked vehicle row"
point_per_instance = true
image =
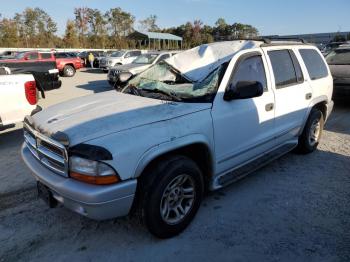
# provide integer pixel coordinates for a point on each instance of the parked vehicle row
(203, 119)
(140, 64)
(339, 63)
(66, 63)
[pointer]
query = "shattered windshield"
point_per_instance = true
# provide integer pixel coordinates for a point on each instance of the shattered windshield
(163, 82)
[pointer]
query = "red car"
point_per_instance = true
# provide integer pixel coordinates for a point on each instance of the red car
(66, 63)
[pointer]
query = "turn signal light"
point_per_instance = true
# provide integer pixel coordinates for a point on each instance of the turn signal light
(95, 180)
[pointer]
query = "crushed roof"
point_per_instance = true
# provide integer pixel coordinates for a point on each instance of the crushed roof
(197, 63)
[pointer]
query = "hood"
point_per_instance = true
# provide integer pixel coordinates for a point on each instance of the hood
(197, 63)
(93, 116)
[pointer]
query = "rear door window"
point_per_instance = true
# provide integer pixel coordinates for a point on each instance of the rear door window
(283, 68)
(314, 63)
(45, 55)
(33, 56)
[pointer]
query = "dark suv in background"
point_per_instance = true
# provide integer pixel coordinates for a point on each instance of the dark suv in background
(339, 64)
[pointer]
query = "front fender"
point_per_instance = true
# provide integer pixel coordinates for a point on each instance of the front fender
(169, 146)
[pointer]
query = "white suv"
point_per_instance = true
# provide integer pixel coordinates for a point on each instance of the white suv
(122, 57)
(199, 121)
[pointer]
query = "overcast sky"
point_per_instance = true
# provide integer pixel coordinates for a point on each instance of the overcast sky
(270, 16)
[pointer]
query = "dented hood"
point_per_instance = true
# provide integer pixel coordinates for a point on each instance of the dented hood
(93, 116)
(197, 63)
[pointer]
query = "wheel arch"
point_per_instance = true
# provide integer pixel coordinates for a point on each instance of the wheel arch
(198, 150)
(69, 64)
(321, 103)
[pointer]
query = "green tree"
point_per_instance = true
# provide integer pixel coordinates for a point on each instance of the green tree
(46, 28)
(339, 38)
(81, 23)
(8, 33)
(222, 30)
(71, 39)
(120, 24)
(98, 31)
(149, 24)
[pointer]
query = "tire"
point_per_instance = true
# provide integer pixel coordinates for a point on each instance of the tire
(311, 136)
(68, 71)
(182, 173)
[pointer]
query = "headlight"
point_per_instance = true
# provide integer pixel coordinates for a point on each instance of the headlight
(124, 77)
(92, 172)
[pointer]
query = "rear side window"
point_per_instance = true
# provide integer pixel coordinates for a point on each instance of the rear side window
(314, 63)
(283, 68)
(33, 56)
(61, 55)
(45, 55)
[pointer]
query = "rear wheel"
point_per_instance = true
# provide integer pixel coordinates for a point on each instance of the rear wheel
(68, 71)
(172, 200)
(311, 136)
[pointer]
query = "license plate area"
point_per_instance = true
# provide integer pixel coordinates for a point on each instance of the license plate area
(45, 194)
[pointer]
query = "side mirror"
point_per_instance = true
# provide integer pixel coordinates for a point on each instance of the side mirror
(124, 77)
(244, 90)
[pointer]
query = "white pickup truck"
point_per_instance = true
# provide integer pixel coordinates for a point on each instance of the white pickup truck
(19, 97)
(199, 121)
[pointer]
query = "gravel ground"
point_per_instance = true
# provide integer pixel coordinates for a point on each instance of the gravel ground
(295, 209)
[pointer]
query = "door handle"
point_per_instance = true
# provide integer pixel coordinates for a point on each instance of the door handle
(269, 107)
(308, 96)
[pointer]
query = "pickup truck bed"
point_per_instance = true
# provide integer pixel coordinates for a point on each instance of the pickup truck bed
(18, 98)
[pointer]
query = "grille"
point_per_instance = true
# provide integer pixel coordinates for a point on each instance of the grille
(114, 72)
(49, 152)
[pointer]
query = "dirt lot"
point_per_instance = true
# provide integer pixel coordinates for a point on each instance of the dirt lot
(295, 209)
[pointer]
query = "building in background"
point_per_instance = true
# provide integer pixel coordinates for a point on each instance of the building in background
(321, 38)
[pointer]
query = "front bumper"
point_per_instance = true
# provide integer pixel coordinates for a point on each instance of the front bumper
(96, 202)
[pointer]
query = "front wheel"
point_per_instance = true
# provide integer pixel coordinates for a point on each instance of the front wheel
(68, 71)
(311, 136)
(173, 198)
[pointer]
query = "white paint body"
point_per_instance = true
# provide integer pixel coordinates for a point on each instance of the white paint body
(136, 130)
(13, 103)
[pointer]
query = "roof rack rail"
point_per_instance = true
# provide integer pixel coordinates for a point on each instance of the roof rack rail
(265, 40)
(302, 40)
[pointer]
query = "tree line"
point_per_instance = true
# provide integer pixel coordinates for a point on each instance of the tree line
(91, 28)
